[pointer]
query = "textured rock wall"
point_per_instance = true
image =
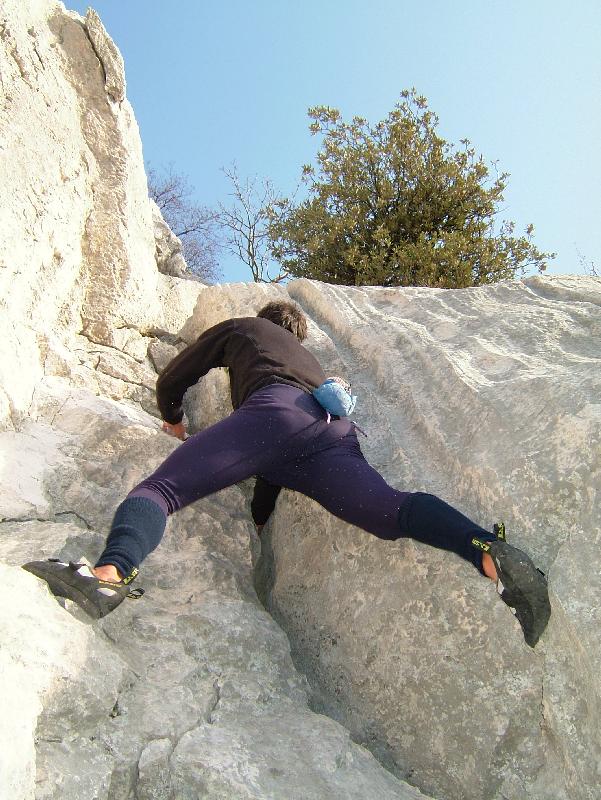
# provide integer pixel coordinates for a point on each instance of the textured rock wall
(490, 398)
(189, 692)
(78, 251)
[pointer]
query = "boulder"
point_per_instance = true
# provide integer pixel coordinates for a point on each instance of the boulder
(488, 398)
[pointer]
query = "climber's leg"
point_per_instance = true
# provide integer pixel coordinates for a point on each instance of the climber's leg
(219, 456)
(342, 481)
(522, 586)
(213, 459)
(429, 519)
(273, 424)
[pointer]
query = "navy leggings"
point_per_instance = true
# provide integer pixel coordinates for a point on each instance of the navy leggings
(281, 433)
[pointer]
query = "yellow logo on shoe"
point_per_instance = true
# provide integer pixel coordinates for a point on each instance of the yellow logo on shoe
(131, 576)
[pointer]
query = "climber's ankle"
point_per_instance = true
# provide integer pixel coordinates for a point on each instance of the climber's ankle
(488, 567)
(107, 572)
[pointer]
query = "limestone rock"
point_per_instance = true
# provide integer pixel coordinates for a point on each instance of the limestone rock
(489, 398)
(168, 254)
(78, 246)
(230, 300)
(445, 369)
(177, 299)
(248, 756)
(27, 458)
(108, 55)
(154, 774)
(60, 680)
(161, 353)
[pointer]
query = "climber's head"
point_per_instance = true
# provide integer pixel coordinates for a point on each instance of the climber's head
(286, 315)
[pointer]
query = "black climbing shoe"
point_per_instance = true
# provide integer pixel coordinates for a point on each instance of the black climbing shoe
(522, 587)
(77, 582)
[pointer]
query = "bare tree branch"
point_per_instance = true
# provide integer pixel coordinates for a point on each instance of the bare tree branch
(195, 225)
(245, 225)
(588, 266)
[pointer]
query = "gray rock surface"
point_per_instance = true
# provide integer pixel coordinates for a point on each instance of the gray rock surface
(109, 56)
(188, 692)
(168, 252)
(489, 398)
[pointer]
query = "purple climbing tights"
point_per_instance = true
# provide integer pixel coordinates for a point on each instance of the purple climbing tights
(279, 433)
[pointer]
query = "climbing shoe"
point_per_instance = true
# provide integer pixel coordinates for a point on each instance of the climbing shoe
(521, 586)
(77, 582)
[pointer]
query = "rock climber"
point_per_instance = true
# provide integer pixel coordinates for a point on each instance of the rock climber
(280, 432)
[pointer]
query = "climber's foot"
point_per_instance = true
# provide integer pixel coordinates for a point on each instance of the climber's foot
(522, 587)
(107, 572)
(77, 582)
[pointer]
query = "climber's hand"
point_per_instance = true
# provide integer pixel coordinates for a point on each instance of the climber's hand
(178, 430)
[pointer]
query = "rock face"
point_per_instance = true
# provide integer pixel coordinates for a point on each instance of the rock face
(168, 252)
(188, 692)
(489, 398)
(78, 255)
(395, 670)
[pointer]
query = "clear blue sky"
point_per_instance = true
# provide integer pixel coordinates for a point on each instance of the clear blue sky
(231, 80)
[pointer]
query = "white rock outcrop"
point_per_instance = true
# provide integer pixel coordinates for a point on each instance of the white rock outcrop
(78, 254)
(168, 253)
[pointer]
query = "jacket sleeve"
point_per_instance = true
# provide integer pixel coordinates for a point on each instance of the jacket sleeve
(263, 501)
(188, 366)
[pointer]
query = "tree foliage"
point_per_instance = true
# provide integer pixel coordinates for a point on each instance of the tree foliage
(246, 222)
(195, 225)
(395, 204)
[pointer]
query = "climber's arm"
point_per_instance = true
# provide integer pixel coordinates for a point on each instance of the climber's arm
(187, 367)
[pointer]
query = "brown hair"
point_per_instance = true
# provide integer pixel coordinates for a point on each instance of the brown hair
(286, 315)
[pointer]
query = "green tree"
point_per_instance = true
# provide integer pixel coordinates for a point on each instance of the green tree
(395, 204)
